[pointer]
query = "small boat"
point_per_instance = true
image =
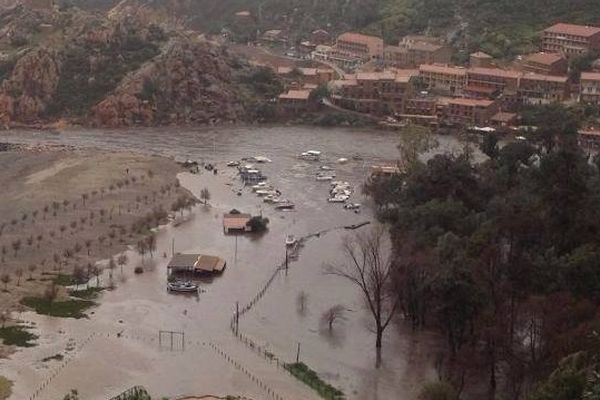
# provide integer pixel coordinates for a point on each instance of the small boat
(322, 178)
(263, 192)
(326, 168)
(262, 159)
(342, 160)
(352, 206)
(340, 198)
(340, 183)
(271, 199)
(311, 155)
(285, 206)
(262, 186)
(357, 157)
(290, 240)
(233, 164)
(182, 287)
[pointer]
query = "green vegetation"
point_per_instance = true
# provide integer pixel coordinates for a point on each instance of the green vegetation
(260, 88)
(87, 294)
(5, 388)
(502, 257)
(64, 309)
(303, 373)
(438, 391)
(82, 85)
(57, 357)
(16, 336)
(258, 224)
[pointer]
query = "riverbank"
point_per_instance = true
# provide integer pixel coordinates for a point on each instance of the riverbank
(63, 209)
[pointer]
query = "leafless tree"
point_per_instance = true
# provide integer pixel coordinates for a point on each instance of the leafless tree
(19, 274)
(332, 315)
(5, 278)
(302, 303)
(3, 319)
(121, 261)
(51, 292)
(31, 268)
(369, 266)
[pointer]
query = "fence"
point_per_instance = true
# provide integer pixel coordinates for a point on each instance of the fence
(135, 393)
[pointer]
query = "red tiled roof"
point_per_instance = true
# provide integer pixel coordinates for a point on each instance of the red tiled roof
(545, 78)
(590, 76)
(471, 102)
(295, 95)
(442, 69)
(360, 38)
(570, 29)
(502, 73)
(544, 58)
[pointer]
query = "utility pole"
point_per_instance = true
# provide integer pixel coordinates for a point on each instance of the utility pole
(237, 317)
(173, 247)
(298, 354)
(286, 259)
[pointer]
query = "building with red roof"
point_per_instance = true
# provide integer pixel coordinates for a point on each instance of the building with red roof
(571, 40)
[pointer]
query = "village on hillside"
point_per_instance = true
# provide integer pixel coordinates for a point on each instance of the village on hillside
(416, 81)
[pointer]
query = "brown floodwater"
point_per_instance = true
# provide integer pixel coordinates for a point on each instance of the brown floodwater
(117, 347)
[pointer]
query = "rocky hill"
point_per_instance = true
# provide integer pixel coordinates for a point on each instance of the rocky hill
(130, 66)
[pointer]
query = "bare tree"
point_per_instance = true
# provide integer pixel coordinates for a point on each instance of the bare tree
(121, 261)
(16, 245)
(302, 303)
(369, 267)
(151, 245)
(3, 319)
(205, 195)
(31, 268)
(332, 315)
(51, 293)
(19, 274)
(142, 247)
(5, 278)
(97, 271)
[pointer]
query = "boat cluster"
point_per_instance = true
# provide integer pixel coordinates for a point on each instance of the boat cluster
(272, 195)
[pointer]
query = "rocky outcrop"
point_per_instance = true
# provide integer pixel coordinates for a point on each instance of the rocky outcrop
(189, 83)
(31, 87)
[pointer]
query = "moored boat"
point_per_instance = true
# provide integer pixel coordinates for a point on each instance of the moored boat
(290, 240)
(182, 287)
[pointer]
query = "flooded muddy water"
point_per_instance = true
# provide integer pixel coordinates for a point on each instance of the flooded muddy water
(118, 346)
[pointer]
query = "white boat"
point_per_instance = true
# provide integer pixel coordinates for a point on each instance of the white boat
(285, 206)
(262, 159)
(340, 198)
(264, 192)
(233, 164)
(340, 183)
(262, 186)
(311, 155)
(326, 168)
(182, 287)
(325, 178)
(352, 206)
(342, 160)
(271, 199)
(339, 190)
(290, 240)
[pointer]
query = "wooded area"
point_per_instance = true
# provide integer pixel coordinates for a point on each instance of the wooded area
(503, 257)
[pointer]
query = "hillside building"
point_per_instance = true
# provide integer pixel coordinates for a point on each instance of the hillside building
(571, 40)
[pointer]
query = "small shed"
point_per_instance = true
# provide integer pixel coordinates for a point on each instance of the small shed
(196, 263)
(236, 222)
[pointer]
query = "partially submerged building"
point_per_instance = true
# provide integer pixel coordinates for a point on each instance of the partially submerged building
(196, 264)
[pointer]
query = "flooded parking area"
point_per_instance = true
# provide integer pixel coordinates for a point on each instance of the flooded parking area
(120, 345)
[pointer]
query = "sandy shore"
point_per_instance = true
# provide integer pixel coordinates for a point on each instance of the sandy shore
(62, 208)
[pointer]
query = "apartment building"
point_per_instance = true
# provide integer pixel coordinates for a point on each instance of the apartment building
(589, 87)
(331, 54)
(414, 52)
(443, 78)
(535, 89)
(460, 111)
(546, 63)
(495, 80)
(375, 92)
(364, 46)
(571, 40)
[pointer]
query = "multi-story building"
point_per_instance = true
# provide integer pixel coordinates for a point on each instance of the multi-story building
(443, 78)
(329, 54)
(537, 89)
(482, 82)
(413, 51)
(303, 76)
(570, 39)
(460, 111)
(546, 63)
(375, 92)
(364, 46)
(395, 56)
(294, 101)
(589, 87)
